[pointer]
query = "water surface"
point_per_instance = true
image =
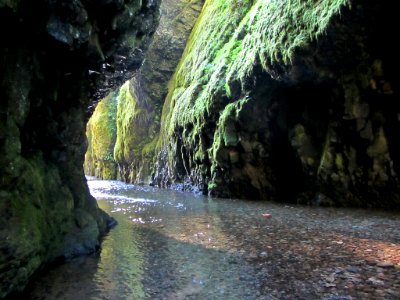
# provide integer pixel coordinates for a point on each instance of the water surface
(175, 245)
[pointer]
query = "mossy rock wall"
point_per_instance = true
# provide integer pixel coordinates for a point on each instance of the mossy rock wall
(101, 132)
(140, 101)
(289, 100)
(57, 59)
(132, 124)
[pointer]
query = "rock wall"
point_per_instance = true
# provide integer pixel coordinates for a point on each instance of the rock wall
(289, 100)
(101, 131)
(57, 59)
(140, 100)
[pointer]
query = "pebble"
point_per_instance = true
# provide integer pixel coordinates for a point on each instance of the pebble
(328, 285)
(385, 264)
(375, 281)
(352, 269)
(393, 293)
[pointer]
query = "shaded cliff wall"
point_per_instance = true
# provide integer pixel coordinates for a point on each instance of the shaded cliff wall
(289, 100)
(57, 58)
(140, 101)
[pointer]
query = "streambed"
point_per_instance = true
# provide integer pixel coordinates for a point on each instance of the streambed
(175, 245)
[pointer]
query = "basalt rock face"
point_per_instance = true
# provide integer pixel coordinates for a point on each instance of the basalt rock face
(140, 100)
(289, 100)
(57, 59)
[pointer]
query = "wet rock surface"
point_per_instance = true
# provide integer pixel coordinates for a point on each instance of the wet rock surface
(57, 59)
(172, 245)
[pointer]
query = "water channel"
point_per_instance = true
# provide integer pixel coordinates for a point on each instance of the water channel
(175, 245)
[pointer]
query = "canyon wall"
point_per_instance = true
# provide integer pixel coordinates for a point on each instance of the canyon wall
(57, 59)
(295, 101)
(140, 101)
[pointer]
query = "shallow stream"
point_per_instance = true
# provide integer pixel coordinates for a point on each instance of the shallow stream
(175, 245)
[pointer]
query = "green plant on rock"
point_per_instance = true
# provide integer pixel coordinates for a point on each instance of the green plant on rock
(109, 157)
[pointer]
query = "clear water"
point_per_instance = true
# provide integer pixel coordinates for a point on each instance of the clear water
(174, 245)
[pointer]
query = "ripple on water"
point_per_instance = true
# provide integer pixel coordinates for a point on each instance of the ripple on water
(124, 199)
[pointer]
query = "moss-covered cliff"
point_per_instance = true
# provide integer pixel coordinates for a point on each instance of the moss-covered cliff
(57, 58)
(132, 125)
(288, 100)
(140, 101)
(101, 131)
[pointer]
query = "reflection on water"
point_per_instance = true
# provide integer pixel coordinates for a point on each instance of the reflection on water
(172, 245)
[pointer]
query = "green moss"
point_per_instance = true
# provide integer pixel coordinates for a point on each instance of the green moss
(225, 134)
(101, 132)
(211, 186)
(229, 38)
(120, 134)
(149, 148)
(36, 220)
(200, 155)
(379, 146)
(133, 122)
(31, 222)
(339, 161)
(227, 120)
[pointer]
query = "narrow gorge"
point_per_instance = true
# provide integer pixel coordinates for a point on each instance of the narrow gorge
(288, 101)
(58, 59)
